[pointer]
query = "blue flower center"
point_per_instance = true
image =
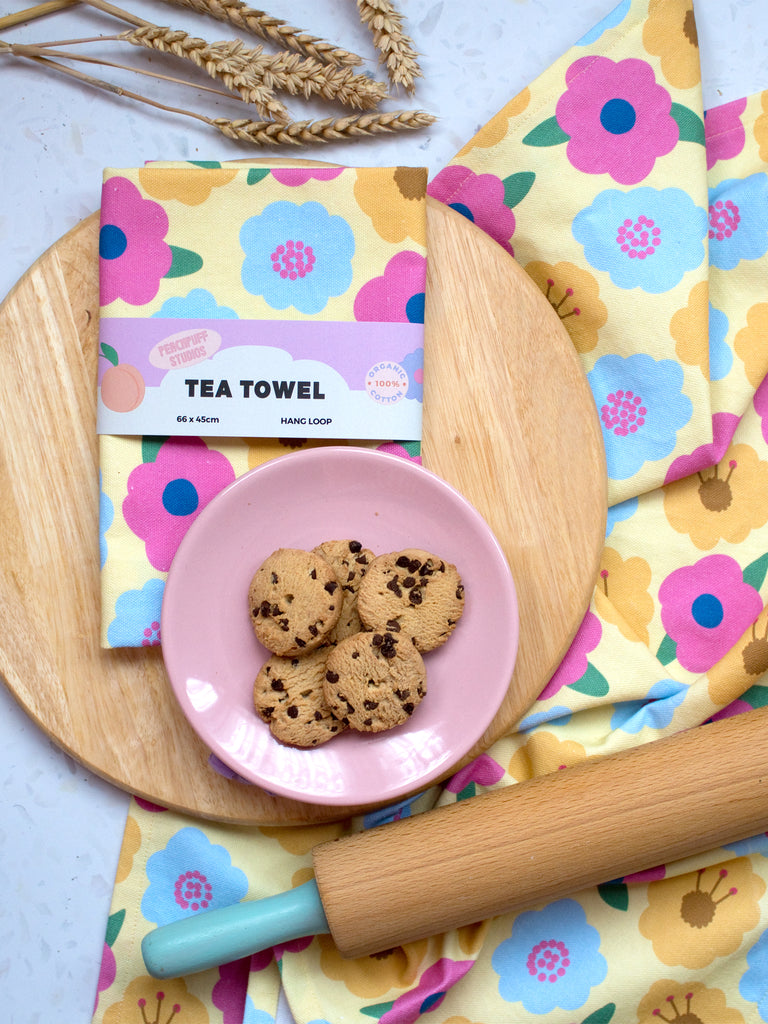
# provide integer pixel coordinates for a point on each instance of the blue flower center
(180, 497)
(414, 308)
(707, 611)
(112, 242)
(463, 210)
(618, 116)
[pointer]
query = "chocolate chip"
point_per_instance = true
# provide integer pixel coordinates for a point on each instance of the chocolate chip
(408, 708)
(277, 684)
(403, 561)
(413, 565)
(332, 677)
(409, 581)
(415, 597)
(275, 578)
(293, 711)
(313, 574)
(377, 640)
(393, 625)
(267, 712)
(460, 591)
(402, 694)
(318, 716)
(265, 608)
(331, 586)
(370, 705)
(313, 629)
(275, 609)
(368, 722)
(394, 586)
(350, 577)
(355, 546)
(355, 654)
(299, 642)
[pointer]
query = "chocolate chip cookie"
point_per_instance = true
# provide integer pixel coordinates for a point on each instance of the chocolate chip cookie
(350, 561)
(288, 694)
(374, 681)
(295, 601)
(412, 593)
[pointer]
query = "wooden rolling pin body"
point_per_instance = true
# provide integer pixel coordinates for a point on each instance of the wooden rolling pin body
(541, 840)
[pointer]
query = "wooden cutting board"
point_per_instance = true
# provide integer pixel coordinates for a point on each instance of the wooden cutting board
(509, 421)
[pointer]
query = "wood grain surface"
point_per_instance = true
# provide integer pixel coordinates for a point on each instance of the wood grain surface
(509, 420)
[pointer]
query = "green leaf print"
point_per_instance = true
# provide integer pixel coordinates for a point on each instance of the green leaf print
(208, 164)
(593, 683)
(754, 574)
(756, 696)
(615, 894)
(601, 1016)
(184, 262)
(114, 924)
(110, 353)
(667, 650)
(548, 133)
(150, 446)
(256, 174)
(517, 187)
(378, 1010)
(690, 124)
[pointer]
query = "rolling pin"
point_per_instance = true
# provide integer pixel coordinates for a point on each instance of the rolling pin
(502, 851)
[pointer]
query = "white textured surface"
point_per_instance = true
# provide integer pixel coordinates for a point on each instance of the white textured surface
(60, 828)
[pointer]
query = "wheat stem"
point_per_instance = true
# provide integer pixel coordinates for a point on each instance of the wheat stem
(275, 30)
(243, 68)
(31, 13)
(396, 49)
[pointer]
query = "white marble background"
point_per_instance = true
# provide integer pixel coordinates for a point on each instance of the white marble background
(60, 826)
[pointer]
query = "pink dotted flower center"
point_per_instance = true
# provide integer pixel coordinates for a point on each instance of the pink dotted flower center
(548, 960)
(151, 636)
(623, 413)
(193, 891)
(292, 260)
(638, 239)
(724, 219)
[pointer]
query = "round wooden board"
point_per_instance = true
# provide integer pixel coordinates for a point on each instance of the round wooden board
(509, 421)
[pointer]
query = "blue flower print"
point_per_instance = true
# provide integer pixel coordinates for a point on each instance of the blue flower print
(611, 20)
(641, 407)
(745, 847)
(738, 220)
(199, 304)
(720, 354)
(297, 255)
(413, 364)
(251, 1015)
(645, 238)
(552, 959)
(190, 875)
(619, 513)
(754, 983)
(393, 812)
(558, 714)
(137, 617)
(655, 711)
(106, 518)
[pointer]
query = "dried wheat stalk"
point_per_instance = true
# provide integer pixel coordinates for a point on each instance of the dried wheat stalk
(396, 49)
(276, 31)
(241, 68)
(302, 133)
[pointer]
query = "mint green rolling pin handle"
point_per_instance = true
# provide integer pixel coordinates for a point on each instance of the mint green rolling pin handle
(230, 933)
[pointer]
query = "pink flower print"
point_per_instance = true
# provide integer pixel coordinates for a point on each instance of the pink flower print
(617, 116)
(723, 428)
(397, 296)
(133, 255)
(723, 131)
(760, 402)
(167, 495)
(574, 664)
(429, 993)
(705, 608)
(294, 176)
(483, 771)
(479, 197)
(229, 992)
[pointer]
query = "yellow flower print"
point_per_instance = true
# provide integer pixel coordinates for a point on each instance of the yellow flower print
(129, 849)
(723, 503)
(574, 294)
(686, 1002)
(761, 128)
(544, 753)
(300, 841)
(670, 33)
(622, 596)
(189, 185)
(471, 937)
(741, 667)
(147, 999)
(693, 919)
(372, 976)
(751, 343)
(690, 329)
(394, 200)
(495, 130)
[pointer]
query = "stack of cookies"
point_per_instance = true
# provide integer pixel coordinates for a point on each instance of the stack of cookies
(346, 631)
